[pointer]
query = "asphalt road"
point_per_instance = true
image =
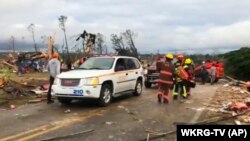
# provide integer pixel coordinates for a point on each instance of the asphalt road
(126, 119)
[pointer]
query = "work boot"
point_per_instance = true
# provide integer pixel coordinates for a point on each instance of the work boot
(50, 101)
(175, 97)
(184, 97)
(159, 98)
(165, 101)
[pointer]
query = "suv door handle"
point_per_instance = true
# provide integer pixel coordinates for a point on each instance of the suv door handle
(126, 73)
(136, 72)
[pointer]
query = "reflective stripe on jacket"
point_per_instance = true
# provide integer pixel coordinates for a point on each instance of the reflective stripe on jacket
(166, 73)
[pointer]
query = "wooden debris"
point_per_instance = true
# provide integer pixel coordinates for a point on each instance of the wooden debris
(35, 101)
(10, 65)
(1, 83)
(237, 122)
(213, 120)
(67, 136)
(159, 135)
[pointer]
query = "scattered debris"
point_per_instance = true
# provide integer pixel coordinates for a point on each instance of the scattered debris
(111, 137)
(108, 123)
(3, 110)
(12, 106)
(67, 111)
(67, 136)
(239, 106)
(237, 122)
(157, 135)
(121, 107)
(35, 101)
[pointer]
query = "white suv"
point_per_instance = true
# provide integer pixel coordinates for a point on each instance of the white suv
(102, 78)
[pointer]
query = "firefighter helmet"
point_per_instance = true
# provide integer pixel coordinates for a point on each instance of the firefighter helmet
(180, 57)
(188, 61)
(55, 55)
(170, 56)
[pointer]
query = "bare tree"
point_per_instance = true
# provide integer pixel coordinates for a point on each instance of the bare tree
(129, 37)
(12, 40)
(124, 44)
(31, 29)
(100, 43)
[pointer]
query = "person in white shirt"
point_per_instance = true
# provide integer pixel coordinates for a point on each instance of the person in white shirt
(54, 70)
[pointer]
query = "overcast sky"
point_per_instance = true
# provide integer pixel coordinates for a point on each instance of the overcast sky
(159, 24)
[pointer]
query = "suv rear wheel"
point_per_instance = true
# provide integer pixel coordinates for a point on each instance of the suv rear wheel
(105, 95)
(138, 88)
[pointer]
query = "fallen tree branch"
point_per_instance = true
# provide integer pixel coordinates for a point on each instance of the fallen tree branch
(236, 81)
(160, 135)
(213, 120)
(70, 135)
(8, 64)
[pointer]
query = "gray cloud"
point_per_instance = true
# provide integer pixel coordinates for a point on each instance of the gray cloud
(161, 24)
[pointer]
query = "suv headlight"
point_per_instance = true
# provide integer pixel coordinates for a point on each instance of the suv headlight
(91, 81)
(56, 81)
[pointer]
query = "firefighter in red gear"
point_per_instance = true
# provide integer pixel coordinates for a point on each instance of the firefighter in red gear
(166, 70)
(188, 67)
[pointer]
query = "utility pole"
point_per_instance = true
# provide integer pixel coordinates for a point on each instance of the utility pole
(31, 29)
(13, 43)
(62, 19)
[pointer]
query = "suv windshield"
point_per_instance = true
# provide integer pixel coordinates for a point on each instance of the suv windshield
(98, 64)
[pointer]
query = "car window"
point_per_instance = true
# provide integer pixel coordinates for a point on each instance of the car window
(98, 63)
(130, 64)
(120, 65)
(137, 64)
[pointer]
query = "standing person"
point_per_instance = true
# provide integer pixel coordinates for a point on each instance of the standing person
(190, 71)
(178, 84)
(54, 70)
(213, 74)
(203, 73)
(166, 70)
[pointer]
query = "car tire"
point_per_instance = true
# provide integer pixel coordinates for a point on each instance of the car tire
(138, 88)
(148, 84)
(65, 101)
(105, 95)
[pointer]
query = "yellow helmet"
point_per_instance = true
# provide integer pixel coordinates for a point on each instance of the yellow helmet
(170, 56)
(188, 61)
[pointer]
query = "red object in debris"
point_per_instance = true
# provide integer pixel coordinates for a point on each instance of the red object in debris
(248, 84)
(45, 86)
(247, 101)
(238, 106)
(12, 106)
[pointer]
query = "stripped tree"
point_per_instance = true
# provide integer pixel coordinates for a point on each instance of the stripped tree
(124, 44)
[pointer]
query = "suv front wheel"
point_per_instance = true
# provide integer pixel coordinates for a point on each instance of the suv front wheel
(105, 95)
(64, 100)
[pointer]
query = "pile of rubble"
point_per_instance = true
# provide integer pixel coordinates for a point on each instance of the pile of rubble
(231, 99)
(27, 90)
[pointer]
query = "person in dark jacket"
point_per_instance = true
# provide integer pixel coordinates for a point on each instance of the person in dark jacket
(204, 73)
(166, 70)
